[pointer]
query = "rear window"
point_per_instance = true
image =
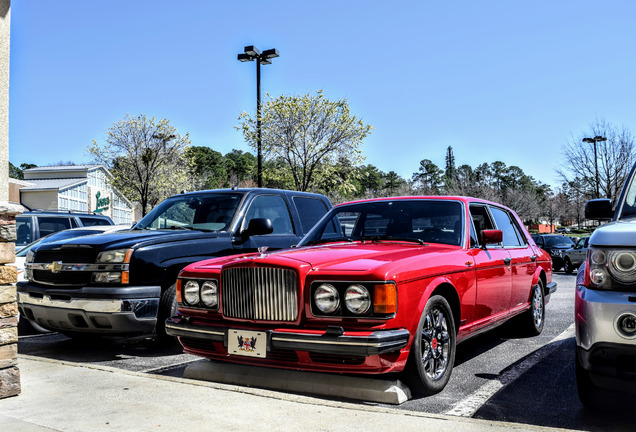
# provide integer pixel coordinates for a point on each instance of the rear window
(311, 210)
(86, 221)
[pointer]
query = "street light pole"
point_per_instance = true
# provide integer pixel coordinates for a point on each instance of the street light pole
(595, 140)
(252, 53)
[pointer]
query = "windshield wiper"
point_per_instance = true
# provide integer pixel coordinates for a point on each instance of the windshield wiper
(329, 240)
(386, 237)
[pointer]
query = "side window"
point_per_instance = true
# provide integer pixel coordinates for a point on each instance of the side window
(23, 230)
(49, 225)
(310, 211)
(274, 208)
(504, 223)
(93, 221)
(481, 219)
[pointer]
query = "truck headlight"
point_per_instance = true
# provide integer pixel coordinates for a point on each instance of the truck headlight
(114, 256)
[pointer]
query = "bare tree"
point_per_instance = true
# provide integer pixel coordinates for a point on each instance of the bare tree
(614, 158)
(145, 158)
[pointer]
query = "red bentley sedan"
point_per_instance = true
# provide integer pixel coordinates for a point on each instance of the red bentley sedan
(377, 286)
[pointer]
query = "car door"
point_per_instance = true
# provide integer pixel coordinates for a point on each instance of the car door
(492, 271)
(275, 208)
(522, 264)
(579, 253)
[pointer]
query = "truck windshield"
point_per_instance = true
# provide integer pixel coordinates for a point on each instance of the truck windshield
(211, 212)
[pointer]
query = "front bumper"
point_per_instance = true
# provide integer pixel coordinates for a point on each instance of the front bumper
(104, 310)
(349, 344)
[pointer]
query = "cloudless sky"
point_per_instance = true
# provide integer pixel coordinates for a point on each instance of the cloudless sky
(495, 79)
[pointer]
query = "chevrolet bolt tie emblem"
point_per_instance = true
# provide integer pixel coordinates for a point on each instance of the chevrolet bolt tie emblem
(55, 266)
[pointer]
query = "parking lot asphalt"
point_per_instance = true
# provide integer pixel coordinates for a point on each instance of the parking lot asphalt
(61, 396)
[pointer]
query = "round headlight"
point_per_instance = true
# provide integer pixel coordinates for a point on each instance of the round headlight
(598, 277)
(357, 299)
(210, 294)
(327, 298)
(623, 266)
(598, 257)
(191, 292)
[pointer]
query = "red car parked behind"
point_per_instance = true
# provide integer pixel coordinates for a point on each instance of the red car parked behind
(377, 286)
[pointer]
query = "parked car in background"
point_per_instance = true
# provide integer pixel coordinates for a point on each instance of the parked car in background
(605, 304)
(555, 245)
(378, 286)
(124, 282)
(573, 258)
(34, 224)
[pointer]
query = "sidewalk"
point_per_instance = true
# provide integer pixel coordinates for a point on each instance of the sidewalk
(59, 396)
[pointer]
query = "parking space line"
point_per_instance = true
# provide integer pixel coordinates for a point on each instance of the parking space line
(468, 406)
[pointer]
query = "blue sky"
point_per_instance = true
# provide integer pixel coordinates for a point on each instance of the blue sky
(496, 80)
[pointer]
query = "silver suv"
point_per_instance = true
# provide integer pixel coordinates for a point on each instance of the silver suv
(605, 305)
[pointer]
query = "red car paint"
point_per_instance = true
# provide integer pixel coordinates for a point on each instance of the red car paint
(484, 286)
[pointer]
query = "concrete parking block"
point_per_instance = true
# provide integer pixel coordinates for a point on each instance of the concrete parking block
(334, 385)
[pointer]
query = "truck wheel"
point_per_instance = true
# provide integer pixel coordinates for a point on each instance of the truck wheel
(167, 309)
(567, 266)
(432, 353)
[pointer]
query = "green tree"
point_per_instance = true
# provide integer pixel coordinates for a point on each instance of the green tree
(450, 173)
(241, 168)
(207, 168)
(393, 182)
(428, 179)
(18, 172)
(307, 132)
(145, 158)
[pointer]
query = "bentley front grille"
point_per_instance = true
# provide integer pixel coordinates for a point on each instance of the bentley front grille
(260, 293)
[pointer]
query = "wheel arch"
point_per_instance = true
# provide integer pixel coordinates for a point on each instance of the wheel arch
(448, 291)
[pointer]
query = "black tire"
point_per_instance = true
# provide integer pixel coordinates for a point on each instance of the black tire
(531, 322)
(590, 395)
(567, 266)
(432, 355)
(167, 309)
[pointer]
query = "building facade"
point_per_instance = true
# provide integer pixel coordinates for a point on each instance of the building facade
(84, 188)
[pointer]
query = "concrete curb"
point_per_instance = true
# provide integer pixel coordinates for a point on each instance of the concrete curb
(340, 386)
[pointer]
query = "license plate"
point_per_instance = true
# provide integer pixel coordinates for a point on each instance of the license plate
(247, 343)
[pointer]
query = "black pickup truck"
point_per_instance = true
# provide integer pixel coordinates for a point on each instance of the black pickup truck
(123, 282)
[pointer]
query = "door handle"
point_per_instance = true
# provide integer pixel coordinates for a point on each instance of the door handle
(507, 261)
(533, 258)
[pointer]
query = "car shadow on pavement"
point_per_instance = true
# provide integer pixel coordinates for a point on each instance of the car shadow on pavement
(95, 349)
(547, 393)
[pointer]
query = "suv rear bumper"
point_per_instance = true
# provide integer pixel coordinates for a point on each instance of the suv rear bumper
(105, 310)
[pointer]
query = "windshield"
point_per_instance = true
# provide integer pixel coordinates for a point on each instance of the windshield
(211, 212)
(628, 210)
(559, 241)
(409, 220)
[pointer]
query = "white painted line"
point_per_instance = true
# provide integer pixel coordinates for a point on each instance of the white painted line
(468, 406)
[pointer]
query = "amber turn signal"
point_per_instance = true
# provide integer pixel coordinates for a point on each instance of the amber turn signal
(384, 299)
(179, 300)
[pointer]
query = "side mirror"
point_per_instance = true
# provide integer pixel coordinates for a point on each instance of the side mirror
(600, 209)
(258, 226)
(491, 236)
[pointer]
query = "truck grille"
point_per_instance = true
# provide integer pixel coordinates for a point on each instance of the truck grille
(259, 293)
(64, 278)
(66, 256)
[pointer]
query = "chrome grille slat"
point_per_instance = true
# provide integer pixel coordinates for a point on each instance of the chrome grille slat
(259, 293)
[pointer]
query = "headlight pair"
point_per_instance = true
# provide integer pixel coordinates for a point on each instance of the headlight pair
(353, 299)
(609, 267)
(200, 293)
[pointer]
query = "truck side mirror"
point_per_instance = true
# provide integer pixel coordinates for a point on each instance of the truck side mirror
(599, 209)
(258, 226)
(491, 236)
